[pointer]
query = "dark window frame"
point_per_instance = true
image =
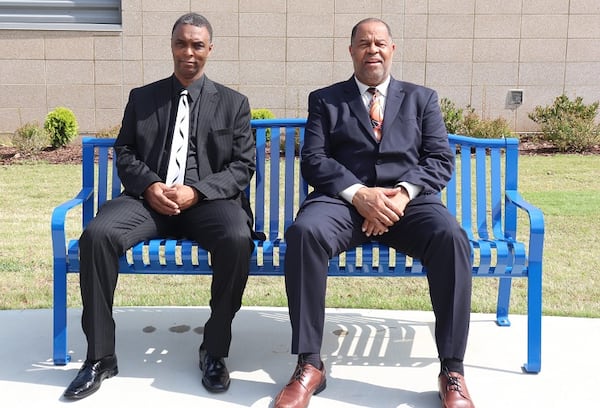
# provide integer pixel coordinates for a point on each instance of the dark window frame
(82, 15)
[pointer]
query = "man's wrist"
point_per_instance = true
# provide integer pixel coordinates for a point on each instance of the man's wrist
(411, 189)
(348, 193)
(404, 190)
(198, 195)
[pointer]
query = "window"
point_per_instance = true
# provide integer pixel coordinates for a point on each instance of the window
(60, 15)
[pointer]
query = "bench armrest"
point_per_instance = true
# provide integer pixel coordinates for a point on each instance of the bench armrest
(59, 215)
(536, 224)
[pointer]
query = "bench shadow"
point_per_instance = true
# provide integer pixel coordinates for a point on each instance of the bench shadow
(366, 357)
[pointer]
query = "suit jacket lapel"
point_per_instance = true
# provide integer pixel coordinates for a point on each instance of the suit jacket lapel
(209, 98)
(357, 106)
(162, 101)
(393, 101)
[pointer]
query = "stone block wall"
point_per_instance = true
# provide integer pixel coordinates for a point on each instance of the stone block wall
(277, 51)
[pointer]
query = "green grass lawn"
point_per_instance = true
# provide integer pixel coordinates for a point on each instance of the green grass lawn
(565, 187)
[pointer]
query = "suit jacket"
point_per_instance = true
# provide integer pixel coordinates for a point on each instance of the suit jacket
(340, 149)
(225, 145)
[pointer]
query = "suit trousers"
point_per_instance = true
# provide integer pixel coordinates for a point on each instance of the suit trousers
(427, 231)
(221, 226)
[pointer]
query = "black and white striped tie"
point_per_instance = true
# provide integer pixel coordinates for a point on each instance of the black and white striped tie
(179, 144)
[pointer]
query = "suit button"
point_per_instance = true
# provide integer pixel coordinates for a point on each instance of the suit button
(379, 161)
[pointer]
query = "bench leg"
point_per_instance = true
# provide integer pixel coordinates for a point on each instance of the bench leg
(534, 319)
(60, 355)
(504, 287)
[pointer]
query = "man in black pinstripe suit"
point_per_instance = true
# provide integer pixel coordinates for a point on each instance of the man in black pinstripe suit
(209, 206)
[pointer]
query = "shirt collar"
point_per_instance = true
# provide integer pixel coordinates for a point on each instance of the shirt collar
(382, 87)
(194, 89)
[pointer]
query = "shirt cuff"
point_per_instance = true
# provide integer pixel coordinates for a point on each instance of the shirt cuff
(412, 189)
(348, 193)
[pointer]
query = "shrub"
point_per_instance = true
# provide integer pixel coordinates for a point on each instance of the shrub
(263, 114)
(111, 132)
(61, 126)
(568, 125)
(453, 116)
(575, 135)
(486, 128)
(467, 122)
(30, 138)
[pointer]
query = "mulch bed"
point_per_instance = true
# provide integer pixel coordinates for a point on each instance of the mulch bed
(71, 154)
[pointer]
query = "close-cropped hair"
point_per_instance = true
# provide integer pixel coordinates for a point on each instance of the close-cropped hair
(194, 19)
(368, 20)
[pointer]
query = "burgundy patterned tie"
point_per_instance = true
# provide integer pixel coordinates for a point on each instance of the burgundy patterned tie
(375, 113)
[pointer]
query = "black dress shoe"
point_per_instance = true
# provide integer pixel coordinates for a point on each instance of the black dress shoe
(90, 377)
(215, 376)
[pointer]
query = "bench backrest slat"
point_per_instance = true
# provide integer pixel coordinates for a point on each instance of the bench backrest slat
(511, 184)
(496, 192)
(274, 175)
(259, 179)
(466, 180)
(481, 190)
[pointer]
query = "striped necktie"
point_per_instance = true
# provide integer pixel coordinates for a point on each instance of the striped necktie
(375, 113)
(179, 143)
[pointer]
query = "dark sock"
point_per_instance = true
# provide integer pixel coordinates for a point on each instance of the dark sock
(454, 365)
(314, 359)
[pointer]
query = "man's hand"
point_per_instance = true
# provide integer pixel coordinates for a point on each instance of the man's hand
(184, 196)
(170, 200)
(381, 207)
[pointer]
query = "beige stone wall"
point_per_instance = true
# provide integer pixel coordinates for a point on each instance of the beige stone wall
(276, 51)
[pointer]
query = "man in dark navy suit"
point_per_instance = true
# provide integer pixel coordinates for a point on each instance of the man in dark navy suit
(376, 152)
(205, 202)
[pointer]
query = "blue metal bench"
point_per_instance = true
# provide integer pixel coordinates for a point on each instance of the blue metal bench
(482, 194)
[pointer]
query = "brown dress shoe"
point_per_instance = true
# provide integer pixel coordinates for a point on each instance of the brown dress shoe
(305, 382)
(453, 391)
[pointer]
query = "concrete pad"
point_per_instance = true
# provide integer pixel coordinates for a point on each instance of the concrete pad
(374, 358)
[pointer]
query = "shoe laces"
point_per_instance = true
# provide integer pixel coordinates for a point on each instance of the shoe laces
(453, 382)
(299, 373)
(213, 365)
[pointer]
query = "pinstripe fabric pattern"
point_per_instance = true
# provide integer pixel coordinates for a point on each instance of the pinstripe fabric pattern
(225, 150)
(221, 222)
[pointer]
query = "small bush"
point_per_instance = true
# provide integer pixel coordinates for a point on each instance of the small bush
(568, 125)
(486, 128)
(467, 122)
(111, 132)
(575, 135)
(61, 126)
(30, 138)
(453, 117)
(263, 114)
